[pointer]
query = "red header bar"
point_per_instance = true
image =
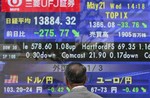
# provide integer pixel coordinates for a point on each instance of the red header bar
(40, 5)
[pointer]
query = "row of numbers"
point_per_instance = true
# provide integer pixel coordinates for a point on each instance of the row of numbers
(54, 20)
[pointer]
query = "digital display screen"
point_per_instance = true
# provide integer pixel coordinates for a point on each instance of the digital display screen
(39, 38)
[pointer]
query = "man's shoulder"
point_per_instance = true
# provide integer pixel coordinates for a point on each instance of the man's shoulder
(73, 95)
(66, 95)
(93, 95)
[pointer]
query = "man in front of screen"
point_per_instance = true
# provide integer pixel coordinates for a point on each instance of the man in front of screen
(75, 79)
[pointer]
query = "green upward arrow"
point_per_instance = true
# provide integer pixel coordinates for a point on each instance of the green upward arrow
(76, 34)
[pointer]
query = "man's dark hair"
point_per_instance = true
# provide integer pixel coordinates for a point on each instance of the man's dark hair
(75, 73)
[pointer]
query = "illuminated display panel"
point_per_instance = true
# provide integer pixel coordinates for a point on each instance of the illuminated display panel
(38, 38)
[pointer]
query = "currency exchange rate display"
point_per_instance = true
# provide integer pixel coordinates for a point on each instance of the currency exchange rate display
(38, 38)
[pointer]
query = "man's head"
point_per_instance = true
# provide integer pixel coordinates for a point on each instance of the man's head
(75, 75)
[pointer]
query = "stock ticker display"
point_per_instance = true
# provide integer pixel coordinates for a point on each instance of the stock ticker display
(38, 38)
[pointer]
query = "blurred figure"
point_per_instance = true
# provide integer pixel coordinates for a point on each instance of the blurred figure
(75, 79)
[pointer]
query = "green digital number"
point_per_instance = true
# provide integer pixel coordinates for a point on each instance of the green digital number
(60, 89)
(46, 32)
